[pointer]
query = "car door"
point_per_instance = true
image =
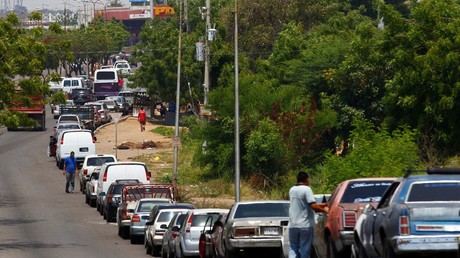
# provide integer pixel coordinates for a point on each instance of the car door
(381, 215)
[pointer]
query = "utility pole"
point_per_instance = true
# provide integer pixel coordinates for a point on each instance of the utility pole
(237, 112)
(207, 53)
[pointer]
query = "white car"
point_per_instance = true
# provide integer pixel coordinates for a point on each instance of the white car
(91, 187)
(90, 163)
(123, 66)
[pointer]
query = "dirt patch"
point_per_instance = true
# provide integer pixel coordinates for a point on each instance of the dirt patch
(130, 140)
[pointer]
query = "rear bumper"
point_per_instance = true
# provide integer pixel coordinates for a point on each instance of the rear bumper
(407, 244)
(137, 230)
(254, 243)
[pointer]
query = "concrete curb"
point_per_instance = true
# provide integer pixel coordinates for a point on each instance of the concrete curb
(123, 118)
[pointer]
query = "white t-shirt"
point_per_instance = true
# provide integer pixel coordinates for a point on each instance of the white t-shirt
(301, 215)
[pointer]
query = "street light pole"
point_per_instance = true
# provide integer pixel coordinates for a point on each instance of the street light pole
(207, 52)
(237, 112)
(176, 140)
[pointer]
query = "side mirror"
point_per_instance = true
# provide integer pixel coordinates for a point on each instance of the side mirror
(148, 223)
(102, 194)
(175, 229)
(368, 208)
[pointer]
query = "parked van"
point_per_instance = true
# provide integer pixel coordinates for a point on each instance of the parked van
(113, 171)
(79, 141)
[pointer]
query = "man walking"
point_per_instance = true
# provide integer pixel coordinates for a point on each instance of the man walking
(70, 169)
(302, 217)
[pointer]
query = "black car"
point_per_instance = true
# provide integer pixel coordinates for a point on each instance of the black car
(81, 95)
(113, 198)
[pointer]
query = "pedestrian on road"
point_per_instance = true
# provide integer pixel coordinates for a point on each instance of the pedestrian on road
(302, 217)
(70, 169)
(141, 117)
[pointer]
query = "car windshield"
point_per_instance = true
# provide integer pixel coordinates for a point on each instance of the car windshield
(166, 216)
(434, 192)
(262, 210)
(99, 161)
(365, 191)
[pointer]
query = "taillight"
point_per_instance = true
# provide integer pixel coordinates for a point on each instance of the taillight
(147, 173)
(85, 172)
(349, 219)
(136, 218)
(124, 214)
(55, 107)
(174, 234)
(104, 179)
(189, 224)
(94, 189)
(109, 198)
(101, 111)
(404, 226)
(62, 139)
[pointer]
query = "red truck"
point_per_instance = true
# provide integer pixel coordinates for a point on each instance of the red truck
(36, 111)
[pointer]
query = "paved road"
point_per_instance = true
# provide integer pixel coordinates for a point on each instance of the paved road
(37, 218)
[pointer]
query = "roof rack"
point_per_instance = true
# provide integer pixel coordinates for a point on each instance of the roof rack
(433, 171)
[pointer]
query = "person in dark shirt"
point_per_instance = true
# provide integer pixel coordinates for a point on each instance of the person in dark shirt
(70, 169)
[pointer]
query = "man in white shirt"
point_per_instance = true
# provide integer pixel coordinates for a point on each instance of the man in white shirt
(302, 217)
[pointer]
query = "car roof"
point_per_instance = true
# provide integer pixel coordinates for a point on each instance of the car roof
(210, 210)
(99, 155)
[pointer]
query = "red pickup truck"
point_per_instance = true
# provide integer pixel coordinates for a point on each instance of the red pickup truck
(334, 231)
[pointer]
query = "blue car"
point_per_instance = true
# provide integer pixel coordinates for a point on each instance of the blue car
(417, 215)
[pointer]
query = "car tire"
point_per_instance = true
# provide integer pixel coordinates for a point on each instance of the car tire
(61, 164)
(125, 232)
(133, 240)
(155, 250)
(331, 250)
(92, 203)
(388, 251)
(97, 206)
(148, 248)
(359, 250)
(87, 199)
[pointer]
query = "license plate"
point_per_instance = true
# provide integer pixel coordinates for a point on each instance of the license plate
(84, 149)
(272, 231)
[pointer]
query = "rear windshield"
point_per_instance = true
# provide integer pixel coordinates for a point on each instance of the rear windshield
(99, 161)
(68, 118)
(69, 126)
(262, 210)
(365, 191)
(105, 75)
(147, 206)
(434, 192)
(166, 216)
(199, 220)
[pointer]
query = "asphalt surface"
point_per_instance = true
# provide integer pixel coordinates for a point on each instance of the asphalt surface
(37, 218)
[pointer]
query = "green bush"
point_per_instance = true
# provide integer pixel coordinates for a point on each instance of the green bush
(372, 153)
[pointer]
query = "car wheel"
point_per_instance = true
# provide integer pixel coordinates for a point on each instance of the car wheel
(133, 240)
(155, 250)
(86, 199)
(359, 250)
(388, 251)
(61, 164)
(148, 248)
(331, 251)
(124, 232)
(92, 203)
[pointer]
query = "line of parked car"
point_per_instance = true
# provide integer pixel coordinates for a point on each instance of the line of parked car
(415, 215)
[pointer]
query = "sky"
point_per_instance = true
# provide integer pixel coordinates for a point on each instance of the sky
(58, 4)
